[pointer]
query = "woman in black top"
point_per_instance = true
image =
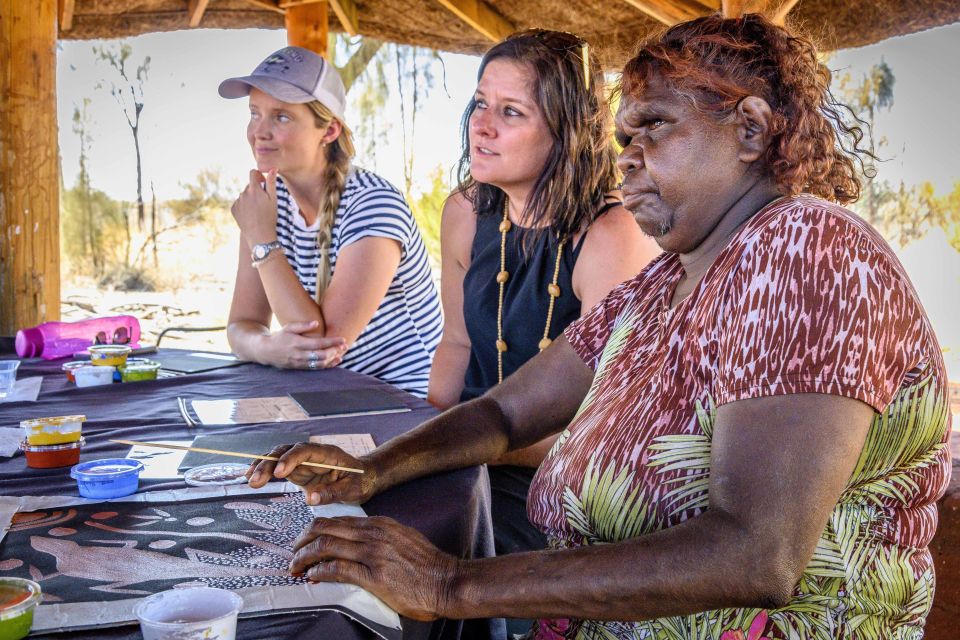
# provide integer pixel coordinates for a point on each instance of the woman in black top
(533, 236)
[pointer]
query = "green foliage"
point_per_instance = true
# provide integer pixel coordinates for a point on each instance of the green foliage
(206, 194)
(903, 214)
(427, 210)
(93, 229)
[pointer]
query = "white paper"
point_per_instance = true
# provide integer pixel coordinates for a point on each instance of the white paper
(356, 444)
(248, 410)
(24, 390)
(159, 464)
(10, 438)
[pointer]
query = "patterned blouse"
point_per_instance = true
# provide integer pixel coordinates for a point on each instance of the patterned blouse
(806, 298)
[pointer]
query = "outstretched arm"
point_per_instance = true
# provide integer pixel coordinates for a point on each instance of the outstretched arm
(778, 467)
(527, 407)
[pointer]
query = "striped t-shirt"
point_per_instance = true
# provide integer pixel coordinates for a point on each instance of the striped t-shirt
(398, 344)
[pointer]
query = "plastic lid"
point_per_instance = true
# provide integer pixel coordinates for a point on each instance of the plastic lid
(217, 473)
(142, 366)
(139, 362)
(109, 349)
(17, 595)
(108, 468)
(53, 421)
(39, 448)
(73, 364)
(29, 342)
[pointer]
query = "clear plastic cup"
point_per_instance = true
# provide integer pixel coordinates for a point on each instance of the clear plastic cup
(201, 612)
(8, 376)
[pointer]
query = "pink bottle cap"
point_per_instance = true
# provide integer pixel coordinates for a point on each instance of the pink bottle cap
(29, 342)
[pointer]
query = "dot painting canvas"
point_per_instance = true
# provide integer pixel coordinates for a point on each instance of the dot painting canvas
(95, 557)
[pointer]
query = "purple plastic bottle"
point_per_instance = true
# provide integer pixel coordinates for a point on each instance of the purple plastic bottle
(52, 340)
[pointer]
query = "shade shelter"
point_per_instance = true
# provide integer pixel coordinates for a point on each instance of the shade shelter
(29, 162)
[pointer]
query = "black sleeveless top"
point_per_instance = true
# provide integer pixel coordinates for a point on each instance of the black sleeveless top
(525, 299)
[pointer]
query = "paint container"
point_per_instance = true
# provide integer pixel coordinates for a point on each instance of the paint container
(52, 430)
(190, 612)
(107, 478)
(139, 371)
(8, 376)
(216, 474)
(69, 367)
(18, 598)
(53, 455)
(92, 376)
(108, 355)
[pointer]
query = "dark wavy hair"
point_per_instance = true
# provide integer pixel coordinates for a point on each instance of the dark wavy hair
(581, 167)
(715, 62)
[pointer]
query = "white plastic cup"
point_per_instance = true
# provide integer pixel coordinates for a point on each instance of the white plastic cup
(190, 612)
(8, 376)
(92, 376)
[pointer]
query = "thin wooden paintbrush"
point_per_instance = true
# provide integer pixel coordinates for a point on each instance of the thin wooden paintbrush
(235, 454)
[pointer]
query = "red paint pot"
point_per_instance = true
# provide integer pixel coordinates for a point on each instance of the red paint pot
(51, 456)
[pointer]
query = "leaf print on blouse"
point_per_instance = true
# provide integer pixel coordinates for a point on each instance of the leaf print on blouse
(689, 453)
(607, 510)
(622, 330)
(906, 438)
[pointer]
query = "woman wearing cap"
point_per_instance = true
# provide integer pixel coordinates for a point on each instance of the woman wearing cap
(332, 250)
(533, 236)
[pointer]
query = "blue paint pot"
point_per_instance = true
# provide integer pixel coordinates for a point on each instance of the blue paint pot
(107, 478)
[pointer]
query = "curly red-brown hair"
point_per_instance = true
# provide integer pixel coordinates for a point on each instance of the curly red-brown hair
(715, 62)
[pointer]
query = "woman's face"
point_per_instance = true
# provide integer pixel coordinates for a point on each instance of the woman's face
(283, 136)
(681, 170)
(509, 138)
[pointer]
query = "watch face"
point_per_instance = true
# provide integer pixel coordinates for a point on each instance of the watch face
(260, 251)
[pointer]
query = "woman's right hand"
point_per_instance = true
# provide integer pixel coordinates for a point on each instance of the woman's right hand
(292, 348)
(320, 486)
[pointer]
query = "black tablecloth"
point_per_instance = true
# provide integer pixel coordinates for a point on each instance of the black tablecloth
(451, 509)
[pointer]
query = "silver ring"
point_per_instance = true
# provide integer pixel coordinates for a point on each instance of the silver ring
(313, 356)
(312, 365)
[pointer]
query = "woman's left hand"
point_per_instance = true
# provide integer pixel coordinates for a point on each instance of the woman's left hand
(256, 209)
(392, 561)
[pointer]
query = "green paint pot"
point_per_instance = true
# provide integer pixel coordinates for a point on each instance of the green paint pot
(140, 371)
(18, 598)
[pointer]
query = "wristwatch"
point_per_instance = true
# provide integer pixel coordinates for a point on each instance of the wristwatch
(261, 252)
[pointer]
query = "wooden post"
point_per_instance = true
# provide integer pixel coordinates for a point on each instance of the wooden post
(29, 165)
(307, 26)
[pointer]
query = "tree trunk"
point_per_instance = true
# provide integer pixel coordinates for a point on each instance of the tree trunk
(153, 224)
(29, 182)
(136, 144)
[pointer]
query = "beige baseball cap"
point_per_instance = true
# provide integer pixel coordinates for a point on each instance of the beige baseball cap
(293, 74)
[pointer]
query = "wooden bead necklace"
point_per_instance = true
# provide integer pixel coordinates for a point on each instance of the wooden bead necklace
(553, 290)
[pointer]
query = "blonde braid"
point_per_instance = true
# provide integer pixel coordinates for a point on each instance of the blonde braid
(339, 155)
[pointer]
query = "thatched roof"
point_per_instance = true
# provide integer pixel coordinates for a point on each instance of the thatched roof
(614, 26)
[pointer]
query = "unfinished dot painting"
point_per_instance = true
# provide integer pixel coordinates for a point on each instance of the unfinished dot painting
(109, 554)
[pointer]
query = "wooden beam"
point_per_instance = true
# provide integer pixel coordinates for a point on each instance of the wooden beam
(346, 12)
(779, 15)
(267, 4)
(307, 26)
(65, 14)
(482, 17)
(670, 12)
(776, 10)
(195, 10)
(736, 8)
(29, 166)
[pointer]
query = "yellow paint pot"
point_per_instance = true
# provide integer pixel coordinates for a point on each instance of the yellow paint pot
(54, 430)
(109, 355)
